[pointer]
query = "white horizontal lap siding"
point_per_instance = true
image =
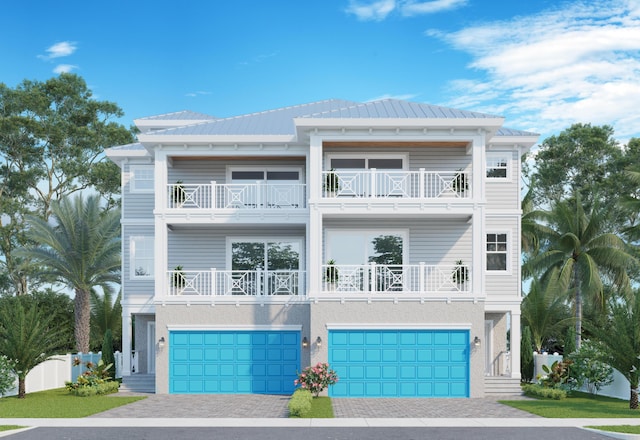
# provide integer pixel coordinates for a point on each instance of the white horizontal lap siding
(134, 286)
(205, 248)
(429, 241)
(503, 194)
(505, 283)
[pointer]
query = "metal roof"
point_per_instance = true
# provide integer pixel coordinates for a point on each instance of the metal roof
(504, 131)
(184, 115)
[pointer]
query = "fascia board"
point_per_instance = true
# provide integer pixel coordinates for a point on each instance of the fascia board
(214, 139)
(489, 124)
(118, 156)
(524, 142)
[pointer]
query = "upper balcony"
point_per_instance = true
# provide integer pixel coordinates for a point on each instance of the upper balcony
(385, 184)
(218, 196)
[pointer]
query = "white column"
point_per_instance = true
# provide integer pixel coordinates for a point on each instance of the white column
(515, 344)
(314, 230)
(126, 340)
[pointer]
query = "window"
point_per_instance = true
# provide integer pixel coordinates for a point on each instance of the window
(381, 163)
(142, 178)
(497, 252)
(141, 252)
(359, 247)
(497, 166)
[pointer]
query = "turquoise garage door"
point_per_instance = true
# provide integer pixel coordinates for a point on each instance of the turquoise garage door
(400, 363)
(233, 362)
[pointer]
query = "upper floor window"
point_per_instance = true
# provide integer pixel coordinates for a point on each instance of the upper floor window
(497, 252)
(365, 163)
(497, 166)
(141, 257)
(141, 178)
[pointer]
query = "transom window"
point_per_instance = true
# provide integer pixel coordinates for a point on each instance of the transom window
(141, 178)
(142, 254)
(497, 252)
(497, 166)
(353, 163)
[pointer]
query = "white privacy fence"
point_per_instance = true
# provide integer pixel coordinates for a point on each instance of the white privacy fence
(54, 372)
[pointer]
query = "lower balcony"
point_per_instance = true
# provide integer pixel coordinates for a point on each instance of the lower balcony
(419, 279)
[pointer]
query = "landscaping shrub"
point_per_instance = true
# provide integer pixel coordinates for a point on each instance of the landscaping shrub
(589, 369)
(96, 380)
(107, 353)
(300, 403)
(534, 390)
(7, 378)
(317, 378)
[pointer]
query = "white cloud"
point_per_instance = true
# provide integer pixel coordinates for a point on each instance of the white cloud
(64, 68)
(62, 49)
(378, 10)
(575, 63)
(407, 96)
(198, 93)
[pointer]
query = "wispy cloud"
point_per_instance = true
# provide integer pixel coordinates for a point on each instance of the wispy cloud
(62, 49)
(198, 93)
(407, 96)
(64, 68)
(576, 63)
(259, 58)
(378, 10)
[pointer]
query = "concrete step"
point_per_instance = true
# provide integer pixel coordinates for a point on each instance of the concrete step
(139, 383)
(500, 385)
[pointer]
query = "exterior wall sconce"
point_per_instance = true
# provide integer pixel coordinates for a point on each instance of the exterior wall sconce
(476, 341)
(305, 342)
(319, 341)
(161, 342)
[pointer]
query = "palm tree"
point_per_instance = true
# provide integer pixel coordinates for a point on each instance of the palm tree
(583, 253)
(545, 311)
(106, 314)
(27, 337)
(80, 247)
(621, 340)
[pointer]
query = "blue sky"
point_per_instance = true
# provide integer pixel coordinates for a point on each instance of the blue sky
(541, 64)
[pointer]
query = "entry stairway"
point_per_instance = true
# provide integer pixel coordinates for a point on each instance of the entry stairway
(139, 383)
(502, 385)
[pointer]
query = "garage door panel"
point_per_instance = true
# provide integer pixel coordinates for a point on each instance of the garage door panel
(233, 361)
(400, 363)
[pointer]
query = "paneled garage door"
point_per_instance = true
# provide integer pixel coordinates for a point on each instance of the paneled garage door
(400, 363)
(233, 362)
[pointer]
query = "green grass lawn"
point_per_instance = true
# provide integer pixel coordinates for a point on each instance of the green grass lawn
(625, 429)
(320, 409)
(9, 427)
(58, 403)
(577, 405)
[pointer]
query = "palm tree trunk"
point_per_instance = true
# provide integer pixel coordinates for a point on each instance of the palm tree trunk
(82, 315)
(576, 279)
(633, 399)
(22, 389)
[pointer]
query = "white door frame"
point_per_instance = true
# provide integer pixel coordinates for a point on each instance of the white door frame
(151, 347)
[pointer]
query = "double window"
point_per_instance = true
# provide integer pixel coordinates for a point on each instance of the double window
(497, 252)
(498, 166)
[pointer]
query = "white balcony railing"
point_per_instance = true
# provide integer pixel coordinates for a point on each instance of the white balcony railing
(378, 278)
(236, 282)
(236, 196)
(404, 184)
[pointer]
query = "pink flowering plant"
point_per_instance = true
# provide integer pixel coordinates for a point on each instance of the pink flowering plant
(316, 378)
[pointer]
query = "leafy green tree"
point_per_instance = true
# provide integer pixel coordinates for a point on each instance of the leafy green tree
(52, 140)
(582, 252)
(60, 307)
(7, 377)
(27, 337)
(545, 311)
(106, 314)
(526, 355)
(81, 249)
(579, 159)
(620, 340)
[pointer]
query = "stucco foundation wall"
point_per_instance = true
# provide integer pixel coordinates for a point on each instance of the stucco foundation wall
(243, 315)
(436, 314)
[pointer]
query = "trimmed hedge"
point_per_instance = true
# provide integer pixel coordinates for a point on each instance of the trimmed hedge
(534, 390)
(300, 403)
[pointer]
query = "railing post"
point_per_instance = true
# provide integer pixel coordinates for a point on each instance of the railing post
(422, 277)
(373, 192)
(421, 183)
(372, 276)
(213, 194)
(214, 287)
(258, 281)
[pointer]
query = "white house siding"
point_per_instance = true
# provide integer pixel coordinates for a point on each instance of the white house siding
(214, 169)
(244, 316)
(135, 205)
(132, 287)
(430, 241)
(505, 283)
(205, 247)
(503, 194)
(456, 315)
